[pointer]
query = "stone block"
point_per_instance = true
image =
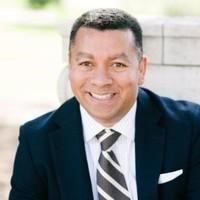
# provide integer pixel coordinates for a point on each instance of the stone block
(153, 49)
(152, 26)
(174, 81)
(181, 51)
(182, 27)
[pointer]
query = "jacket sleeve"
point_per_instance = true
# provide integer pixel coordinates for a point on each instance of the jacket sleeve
(193, 191)
(26, 183)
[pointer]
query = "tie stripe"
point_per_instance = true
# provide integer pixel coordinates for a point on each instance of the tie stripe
(103, 195)
(107, 139)
(103, 135)
(111, 184)
(111, 160)
(113, 172)
(112, 155)
(111, 187)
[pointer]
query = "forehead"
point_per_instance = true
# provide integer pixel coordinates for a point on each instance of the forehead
(86, 37)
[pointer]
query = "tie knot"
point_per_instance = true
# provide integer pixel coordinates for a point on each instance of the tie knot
(107, 138)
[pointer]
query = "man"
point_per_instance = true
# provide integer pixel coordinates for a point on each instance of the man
(113, 140)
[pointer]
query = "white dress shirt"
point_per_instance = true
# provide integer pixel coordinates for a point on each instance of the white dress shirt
(124, 148)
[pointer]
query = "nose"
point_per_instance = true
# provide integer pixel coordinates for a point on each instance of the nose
(101, 77)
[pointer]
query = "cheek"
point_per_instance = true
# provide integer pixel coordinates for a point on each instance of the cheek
(74, 75)
(73, 78)
(128, 80)
(77, 78)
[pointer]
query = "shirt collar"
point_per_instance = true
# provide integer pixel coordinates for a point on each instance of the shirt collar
(126, 126)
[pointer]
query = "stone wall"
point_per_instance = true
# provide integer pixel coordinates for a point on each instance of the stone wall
(172, 45)
(173, 48)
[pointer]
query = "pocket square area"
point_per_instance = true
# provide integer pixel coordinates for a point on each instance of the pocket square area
(166, 177)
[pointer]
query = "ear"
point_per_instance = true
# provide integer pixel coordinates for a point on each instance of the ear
(142, 69)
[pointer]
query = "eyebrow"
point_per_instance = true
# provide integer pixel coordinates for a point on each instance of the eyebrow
(90, 56)
(120, 55)
(84, 54)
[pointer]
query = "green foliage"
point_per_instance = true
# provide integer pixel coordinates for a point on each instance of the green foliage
(39, 3)
(182, 8)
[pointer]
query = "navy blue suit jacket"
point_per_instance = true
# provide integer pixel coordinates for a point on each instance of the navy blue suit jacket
(51, 162)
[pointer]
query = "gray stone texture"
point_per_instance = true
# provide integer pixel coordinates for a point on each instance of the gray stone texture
(180, 83)
(182, 51)
(172, 41)
(153, 49)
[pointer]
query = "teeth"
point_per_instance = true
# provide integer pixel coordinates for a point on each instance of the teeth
(103, 96)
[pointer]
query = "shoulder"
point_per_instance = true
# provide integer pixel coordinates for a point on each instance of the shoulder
(180, 118)
(169, 107)
(49, 121)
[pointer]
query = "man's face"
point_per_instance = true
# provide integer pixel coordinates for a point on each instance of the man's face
(105, 73)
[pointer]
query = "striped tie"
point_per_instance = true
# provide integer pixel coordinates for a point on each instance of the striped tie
(111, 184)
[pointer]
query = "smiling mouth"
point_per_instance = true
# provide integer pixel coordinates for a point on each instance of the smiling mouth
(102, 97)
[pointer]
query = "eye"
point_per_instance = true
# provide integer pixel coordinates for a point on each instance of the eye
(118, 66)
(86, 65)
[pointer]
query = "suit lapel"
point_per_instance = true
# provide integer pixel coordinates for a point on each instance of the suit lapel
(149, 142)
(69, 158)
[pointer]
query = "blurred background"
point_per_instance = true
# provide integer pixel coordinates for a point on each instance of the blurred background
(32, 55)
